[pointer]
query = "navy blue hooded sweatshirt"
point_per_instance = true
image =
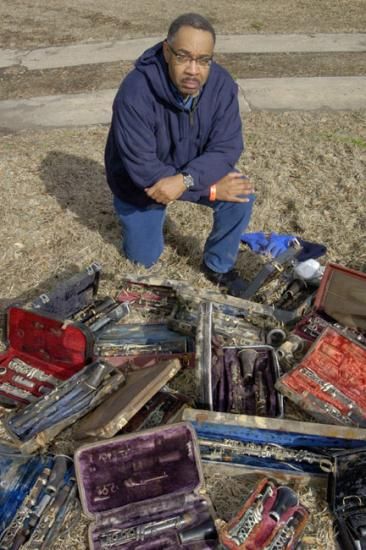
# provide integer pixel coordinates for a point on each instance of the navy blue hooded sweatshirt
(152, 136)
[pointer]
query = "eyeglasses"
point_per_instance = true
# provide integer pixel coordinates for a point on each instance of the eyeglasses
(185, 59)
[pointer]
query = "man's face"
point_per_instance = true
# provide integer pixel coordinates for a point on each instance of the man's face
(187, 58)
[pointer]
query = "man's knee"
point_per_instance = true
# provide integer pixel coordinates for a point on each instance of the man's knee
(143, 255)
(142, 232)
(238, 210)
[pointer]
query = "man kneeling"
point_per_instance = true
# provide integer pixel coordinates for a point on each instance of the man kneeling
(176, 135)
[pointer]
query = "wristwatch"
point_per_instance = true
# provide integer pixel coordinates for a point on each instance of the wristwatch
(187, 180)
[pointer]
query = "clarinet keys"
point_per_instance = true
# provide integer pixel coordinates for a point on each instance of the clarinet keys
(272, 518)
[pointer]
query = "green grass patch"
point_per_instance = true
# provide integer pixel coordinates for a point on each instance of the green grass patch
(359, 142)
(350, 140)
(257, 25)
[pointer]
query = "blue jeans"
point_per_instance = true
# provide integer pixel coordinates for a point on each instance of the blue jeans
(143, 240)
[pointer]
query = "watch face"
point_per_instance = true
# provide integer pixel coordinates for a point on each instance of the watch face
(188, 180)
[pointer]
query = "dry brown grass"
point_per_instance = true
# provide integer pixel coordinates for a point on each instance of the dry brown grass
(308, 169)
(309, 172)
(26, 24)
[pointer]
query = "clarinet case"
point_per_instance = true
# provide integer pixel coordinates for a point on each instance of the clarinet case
(42, 351)
(145, 491)
(121, 406)
(37, 493)
(347, 498)
(37, 424)
(71, 295)
(142, 345)
(340, 301)
(164, 297)
(329, 383)
(272, 518)
(156, 299)
(274, 447)
(235, 379)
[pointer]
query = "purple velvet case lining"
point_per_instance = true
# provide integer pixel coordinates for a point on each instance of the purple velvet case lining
(194, 507)
(237, 391)
(139, 478)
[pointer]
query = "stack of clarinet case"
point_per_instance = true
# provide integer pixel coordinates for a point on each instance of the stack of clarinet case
(164, 388)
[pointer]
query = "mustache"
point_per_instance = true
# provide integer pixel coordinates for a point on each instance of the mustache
(196, 80)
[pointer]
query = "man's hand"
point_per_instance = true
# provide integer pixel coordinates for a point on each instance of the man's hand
(167, 190)
(233, 188)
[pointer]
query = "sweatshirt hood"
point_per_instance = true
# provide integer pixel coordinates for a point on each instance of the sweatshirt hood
(155, 69)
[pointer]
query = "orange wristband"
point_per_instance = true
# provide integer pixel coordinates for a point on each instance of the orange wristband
(212, 196)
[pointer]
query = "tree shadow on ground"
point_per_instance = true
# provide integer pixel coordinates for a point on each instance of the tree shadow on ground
(79, 185)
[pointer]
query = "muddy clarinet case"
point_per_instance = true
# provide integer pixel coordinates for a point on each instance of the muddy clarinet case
(271, 446)
(233, 378)
(340, 302)
(142, 345)
(329, 383)
(145, 491)
(272, 518)
(71, 295)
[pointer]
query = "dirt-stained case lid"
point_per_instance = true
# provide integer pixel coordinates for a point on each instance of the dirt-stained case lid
(342, 296)
(138, 467)
(114, 413)
(328, 382)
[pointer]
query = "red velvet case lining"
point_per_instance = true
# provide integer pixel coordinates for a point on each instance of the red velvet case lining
(45, 343)
(335, 359)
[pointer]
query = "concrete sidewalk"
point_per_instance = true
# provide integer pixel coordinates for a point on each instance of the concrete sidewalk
(273, 94)
(128, 50)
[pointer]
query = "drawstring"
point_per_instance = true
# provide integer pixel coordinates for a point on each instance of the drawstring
(191, 112)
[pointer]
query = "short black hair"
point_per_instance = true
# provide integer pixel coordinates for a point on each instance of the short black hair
(194, 20)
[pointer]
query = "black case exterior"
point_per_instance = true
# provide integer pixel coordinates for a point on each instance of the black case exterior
(347, 498)
(69, 296)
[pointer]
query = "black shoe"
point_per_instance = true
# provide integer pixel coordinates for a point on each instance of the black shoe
(231, 281)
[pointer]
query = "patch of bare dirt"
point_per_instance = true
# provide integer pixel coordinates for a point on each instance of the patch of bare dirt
(27, 24)
(17, 82)
(278, 65)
